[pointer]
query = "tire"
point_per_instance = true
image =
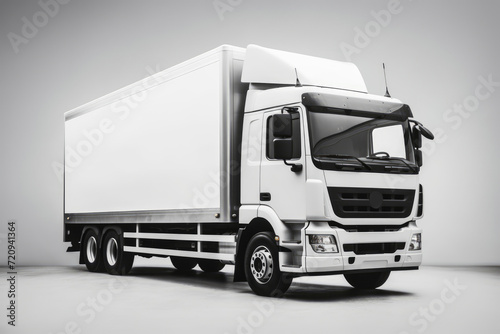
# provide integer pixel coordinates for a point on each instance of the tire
(262, 268)
(210, 266)
(91, 252)
(116, 261)
(183, 263)
(367, 281)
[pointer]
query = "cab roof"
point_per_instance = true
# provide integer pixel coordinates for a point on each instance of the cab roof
(269, 66)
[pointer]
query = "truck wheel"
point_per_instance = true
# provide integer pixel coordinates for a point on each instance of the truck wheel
(368, 280)
(262, 268)
(91, 252)
(116, 261)
(183, 263)
(210, 266)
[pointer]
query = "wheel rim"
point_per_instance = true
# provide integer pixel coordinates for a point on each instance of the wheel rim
(261, 265)
(112, 251)
(91, 249)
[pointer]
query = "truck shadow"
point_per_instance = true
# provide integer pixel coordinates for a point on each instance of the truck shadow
(299, 291)
(323, 292)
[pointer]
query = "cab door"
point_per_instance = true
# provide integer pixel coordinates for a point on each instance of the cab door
(281, 188)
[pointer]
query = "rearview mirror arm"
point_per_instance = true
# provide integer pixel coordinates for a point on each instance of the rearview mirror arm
(296, 168)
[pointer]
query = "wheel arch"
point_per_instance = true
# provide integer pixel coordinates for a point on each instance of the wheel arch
(115, 228)
(244, 235)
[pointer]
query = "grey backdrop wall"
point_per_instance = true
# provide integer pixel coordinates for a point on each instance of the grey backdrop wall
(441, 57)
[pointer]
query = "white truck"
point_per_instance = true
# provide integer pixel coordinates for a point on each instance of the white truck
(278, 163)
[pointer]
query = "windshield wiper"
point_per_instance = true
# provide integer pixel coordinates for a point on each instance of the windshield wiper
(387, 157)
(343, 156)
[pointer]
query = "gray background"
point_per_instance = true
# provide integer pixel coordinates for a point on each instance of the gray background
(435, 52)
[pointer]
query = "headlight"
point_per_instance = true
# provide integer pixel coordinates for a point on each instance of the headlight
(323, 243)
(416, 242)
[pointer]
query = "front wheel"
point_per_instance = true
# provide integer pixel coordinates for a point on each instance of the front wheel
(116, 261)
(368, 280)
(262, 268)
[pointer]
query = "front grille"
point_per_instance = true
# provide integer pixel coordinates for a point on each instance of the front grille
(371, 202)
(374, 248)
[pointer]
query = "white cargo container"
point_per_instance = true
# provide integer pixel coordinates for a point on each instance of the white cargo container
(272, 161)
(165, 144)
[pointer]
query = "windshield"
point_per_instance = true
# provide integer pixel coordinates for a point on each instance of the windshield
(365, 140)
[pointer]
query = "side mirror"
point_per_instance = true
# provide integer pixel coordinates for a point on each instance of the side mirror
(419, 158)
(282, 125)
(422, 129)
(417, 132)
(416, 137)
(425, 132)
(287, 139)
(283, 148)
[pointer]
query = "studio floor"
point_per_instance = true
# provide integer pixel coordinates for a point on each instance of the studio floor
(155, 298)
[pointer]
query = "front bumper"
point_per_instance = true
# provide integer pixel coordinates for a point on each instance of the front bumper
(356, 260)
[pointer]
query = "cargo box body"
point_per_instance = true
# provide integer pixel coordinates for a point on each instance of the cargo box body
(164, 149)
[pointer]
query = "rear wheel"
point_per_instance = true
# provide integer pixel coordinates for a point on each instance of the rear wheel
(210, 266)
(183, 263)
(116, 261)
(262, 268)
(91, 252)
(368, 280)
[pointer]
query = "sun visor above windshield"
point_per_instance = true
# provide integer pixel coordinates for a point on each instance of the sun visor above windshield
(268, 66)
(354, 106)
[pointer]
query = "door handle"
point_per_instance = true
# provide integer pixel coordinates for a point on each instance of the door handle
(265, 197)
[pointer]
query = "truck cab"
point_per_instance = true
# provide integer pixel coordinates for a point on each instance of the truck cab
(333, 169)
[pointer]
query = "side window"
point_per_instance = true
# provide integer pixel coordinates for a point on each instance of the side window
(389, 139)
(296, 137)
